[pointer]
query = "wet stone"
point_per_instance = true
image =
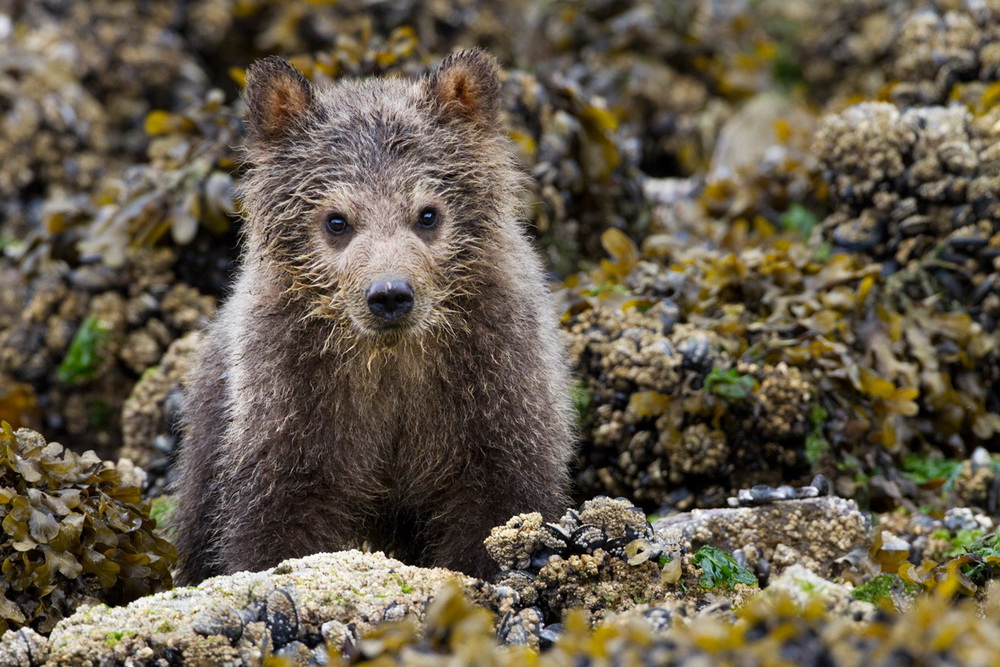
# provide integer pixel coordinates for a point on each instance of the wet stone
(281, 617)
(395, 612)
(219, 620)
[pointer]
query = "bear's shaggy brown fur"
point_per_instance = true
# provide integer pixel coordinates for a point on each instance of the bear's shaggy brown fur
(388, 370)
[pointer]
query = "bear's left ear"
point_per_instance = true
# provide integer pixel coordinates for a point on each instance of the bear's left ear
(467, 86)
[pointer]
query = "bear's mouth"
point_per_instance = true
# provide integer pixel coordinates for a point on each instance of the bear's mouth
(386, 331)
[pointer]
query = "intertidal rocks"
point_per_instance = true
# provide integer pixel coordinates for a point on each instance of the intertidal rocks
(301, 606)
(774, 231)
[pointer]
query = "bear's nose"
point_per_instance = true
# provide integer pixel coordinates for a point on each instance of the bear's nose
(389, 299)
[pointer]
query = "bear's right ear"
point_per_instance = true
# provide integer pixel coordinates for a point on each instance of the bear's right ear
(278, 99)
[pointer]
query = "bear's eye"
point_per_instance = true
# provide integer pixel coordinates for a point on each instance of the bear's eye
(337, 223)
(428, 218)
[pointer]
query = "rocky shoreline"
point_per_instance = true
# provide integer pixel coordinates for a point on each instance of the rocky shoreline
(774, 234)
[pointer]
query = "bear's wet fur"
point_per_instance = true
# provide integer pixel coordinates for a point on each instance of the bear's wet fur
(388, 371)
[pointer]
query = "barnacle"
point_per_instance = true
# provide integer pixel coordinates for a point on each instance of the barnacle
(73, 531)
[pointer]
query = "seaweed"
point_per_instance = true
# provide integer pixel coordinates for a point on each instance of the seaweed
(881, 589)
(721, 569)
(927, 469)
(730, 385)
(82, 358)
(72, 532)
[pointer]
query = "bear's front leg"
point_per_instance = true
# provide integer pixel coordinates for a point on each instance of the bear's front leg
(473, 507)
(274, 508)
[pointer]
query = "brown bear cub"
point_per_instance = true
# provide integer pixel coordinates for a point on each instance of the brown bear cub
(388, 370)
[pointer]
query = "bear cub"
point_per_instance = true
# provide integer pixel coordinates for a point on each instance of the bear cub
(388, 370)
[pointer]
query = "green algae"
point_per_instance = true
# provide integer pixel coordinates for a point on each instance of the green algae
(82, 358)
(721, 569)
(730, 385)
(926, 469)
(799, 219)
(879, 591)
(817, 446)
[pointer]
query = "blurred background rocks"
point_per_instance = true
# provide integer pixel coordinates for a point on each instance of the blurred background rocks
(772, 226)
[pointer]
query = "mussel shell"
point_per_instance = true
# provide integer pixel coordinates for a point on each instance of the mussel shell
(555, 536)
(588, 537)
(639, 551)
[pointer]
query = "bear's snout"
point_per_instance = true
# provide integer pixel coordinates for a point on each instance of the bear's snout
(390, 299)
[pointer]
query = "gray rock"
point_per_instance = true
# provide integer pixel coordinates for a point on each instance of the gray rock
(820, 529)
(750, 135)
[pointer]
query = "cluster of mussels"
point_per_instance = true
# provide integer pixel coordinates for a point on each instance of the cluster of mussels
(270, 625)
(945, 51)
(917, 190)
(603, 557)
(762, 494)
(812, 357)
(669, 414)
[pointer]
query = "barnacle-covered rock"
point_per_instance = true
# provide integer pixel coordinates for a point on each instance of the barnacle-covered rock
(525, 542)
(806, 588)
(602, 557)
(245, 617)
(656, 394)
(817, 530)
(943, 47)
(596, 582)
(978, 483)
(74, 532)
(151, 414)
(922, 202)
(916, 189)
